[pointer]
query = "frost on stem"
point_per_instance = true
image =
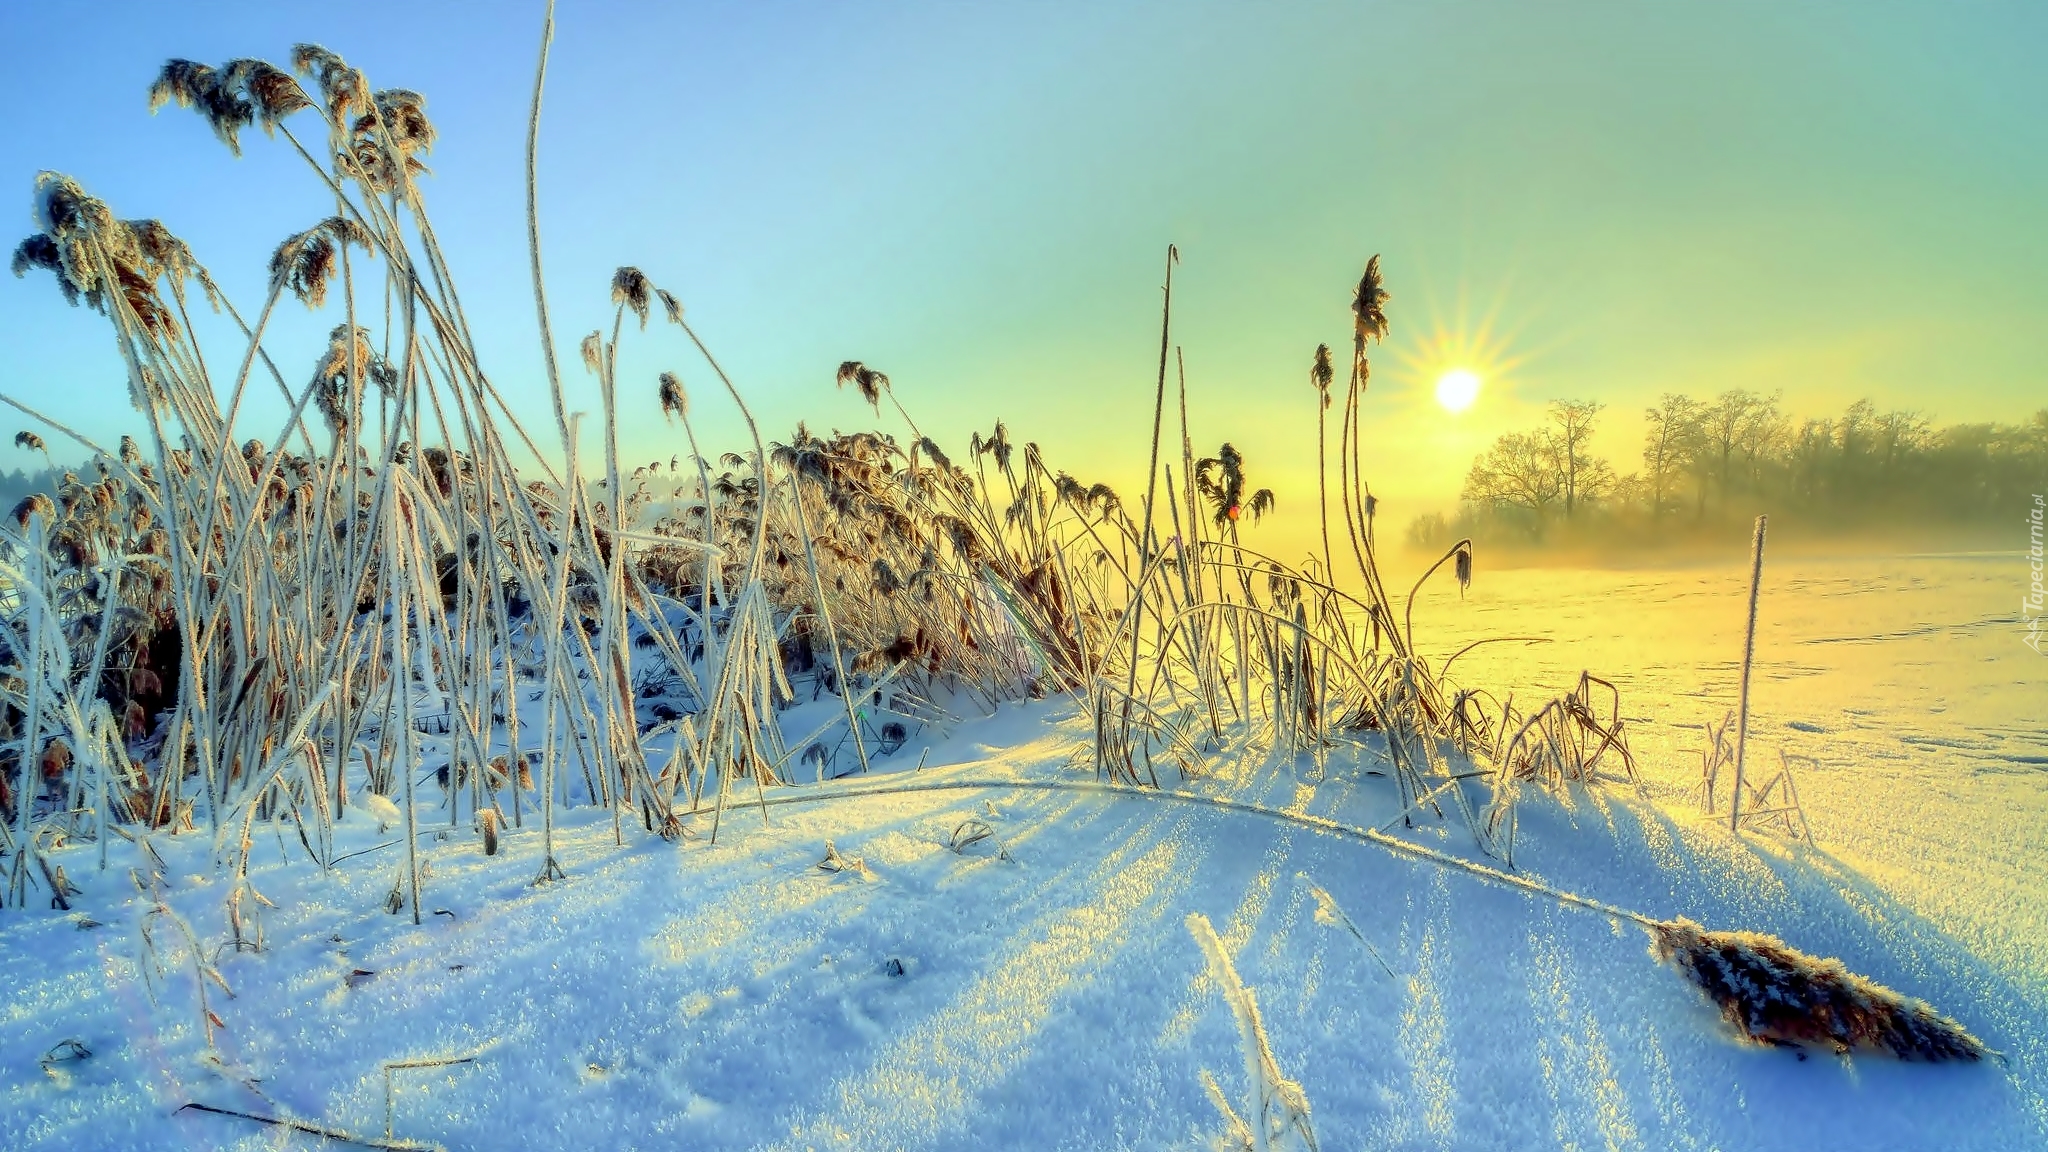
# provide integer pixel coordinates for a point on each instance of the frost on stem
(1276, 1109)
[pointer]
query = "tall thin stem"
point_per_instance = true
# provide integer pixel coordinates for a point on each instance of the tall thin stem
(1408, 615)
(803, 527)
(540, 295)
(1756, 575)
(1146, 536)
(1322, 482)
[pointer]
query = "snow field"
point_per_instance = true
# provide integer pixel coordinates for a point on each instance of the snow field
(735, 996)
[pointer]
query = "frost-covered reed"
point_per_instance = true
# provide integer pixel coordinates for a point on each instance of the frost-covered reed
(403, 603)
(1275, 1109)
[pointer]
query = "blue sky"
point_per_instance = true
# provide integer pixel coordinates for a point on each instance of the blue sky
(1602, 200)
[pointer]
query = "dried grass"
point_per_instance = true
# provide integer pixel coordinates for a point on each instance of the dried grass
(838, 864)
(971, 832)
(1775, 994)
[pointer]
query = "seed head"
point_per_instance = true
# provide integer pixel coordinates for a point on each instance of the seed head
(1368, 306)
(630, 287)
(674, 401)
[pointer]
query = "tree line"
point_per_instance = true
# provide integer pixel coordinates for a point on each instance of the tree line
(16, 484)
(1706, 464)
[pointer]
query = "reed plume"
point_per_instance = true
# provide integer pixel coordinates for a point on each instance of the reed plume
(1775, 994)
(870, 383)
(630, 290)
(1321, 375)
(674, 401)
(306, 262)
(1368, 308)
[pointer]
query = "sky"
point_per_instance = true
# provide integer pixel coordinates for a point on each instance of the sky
(1592, 200)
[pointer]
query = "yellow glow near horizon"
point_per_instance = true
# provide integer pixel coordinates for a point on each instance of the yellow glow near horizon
(1457, 389)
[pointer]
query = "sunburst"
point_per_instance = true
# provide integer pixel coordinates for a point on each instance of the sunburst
(1461, 355)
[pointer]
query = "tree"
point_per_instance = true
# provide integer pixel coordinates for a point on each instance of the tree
(1595, 482)
(1896, 436)
(1671, 426)
(1867, 466)
(1522, 471)
(1812, 448)
(1853, 435)
(1763, 430)
(1430, 531)
(1582, 474)
(1629, 491)
(1721, 427)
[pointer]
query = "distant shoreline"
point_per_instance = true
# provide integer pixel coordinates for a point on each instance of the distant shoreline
(1699, 552)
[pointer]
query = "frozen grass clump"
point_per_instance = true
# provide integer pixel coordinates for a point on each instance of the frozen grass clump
(401, 604)
(1779, 995)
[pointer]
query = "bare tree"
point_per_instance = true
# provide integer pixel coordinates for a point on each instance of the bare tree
(1762, 433)
(1522, 471)
(1811, 450)
(1583, 475)
(1670, 431)
(1896, 436)
(1853, 436)
(1721, 431)
(1865, 468)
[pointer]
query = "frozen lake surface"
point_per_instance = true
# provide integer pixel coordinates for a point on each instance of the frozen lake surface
(1903, 678)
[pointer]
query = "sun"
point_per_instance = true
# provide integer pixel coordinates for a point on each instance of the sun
(1459, 352)
(1457, 389)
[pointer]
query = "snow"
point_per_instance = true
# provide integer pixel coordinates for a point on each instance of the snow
(1905, 679)
(734, 995)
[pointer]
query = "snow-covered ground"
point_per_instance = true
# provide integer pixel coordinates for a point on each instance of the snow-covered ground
(1903, 678)
(735, 996)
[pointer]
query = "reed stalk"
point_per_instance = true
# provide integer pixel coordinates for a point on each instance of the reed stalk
(1756, 576)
